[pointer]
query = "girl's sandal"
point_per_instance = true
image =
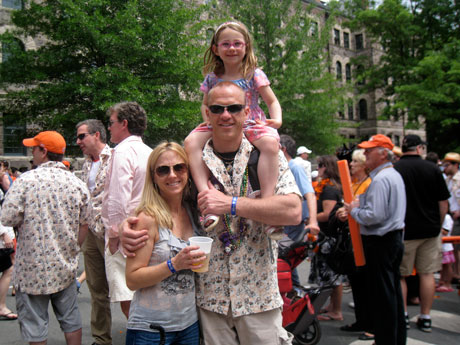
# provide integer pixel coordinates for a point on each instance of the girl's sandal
(209, 222)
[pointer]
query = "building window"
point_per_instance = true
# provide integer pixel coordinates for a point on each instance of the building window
(12, 137)
(346, 40)
(363, 109)
(9, 48)
(359, 41)
(341, 115)
(396, 140)
(336, 37)
(338, 70)
(14, 4)
(348, 72)
(313, 28)
(350, 111)
(360, 75)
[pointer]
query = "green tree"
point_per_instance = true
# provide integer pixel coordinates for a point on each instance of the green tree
(418, 72)
(290, 44)
(99, 52)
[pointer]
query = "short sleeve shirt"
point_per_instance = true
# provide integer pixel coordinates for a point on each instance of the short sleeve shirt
(245, 281)
(48, 204)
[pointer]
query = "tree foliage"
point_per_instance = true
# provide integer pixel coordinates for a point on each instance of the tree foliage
(419, 71)
(99, 52)
(290, 44)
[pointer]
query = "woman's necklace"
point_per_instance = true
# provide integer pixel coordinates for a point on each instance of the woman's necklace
(360, 183)
(230, 239)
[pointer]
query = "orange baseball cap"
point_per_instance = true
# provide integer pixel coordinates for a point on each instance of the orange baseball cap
(50, 140)
(66, 163)
(378, 140)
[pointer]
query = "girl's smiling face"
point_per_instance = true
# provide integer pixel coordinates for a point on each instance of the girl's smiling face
(231, 47)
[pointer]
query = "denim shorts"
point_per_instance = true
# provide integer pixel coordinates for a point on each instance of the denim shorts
(188, 336)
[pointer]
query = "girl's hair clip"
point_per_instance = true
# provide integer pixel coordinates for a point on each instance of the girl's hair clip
(226, 23)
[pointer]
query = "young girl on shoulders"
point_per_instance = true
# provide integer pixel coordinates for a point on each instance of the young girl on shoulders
(230, 57)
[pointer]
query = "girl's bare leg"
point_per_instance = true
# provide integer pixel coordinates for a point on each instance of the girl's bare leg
(267, 171)
(194, 144)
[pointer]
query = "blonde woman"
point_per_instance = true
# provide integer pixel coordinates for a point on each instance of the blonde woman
(160, 272)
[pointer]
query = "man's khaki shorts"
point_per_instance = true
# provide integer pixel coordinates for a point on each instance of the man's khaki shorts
(424, 254)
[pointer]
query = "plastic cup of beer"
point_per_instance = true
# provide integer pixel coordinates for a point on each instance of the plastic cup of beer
(205, 244)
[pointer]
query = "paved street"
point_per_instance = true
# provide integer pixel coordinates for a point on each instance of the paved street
(445, 314)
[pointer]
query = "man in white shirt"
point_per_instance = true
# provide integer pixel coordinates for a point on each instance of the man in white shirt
(123, 190)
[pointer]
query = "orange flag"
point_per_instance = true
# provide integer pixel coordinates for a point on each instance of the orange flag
(353, 225)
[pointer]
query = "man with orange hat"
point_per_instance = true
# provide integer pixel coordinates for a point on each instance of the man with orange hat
(380, 212)
(50, 206)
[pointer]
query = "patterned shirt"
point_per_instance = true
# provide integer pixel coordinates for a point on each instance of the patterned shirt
(95, 223)
(246, 280)
(49, 204)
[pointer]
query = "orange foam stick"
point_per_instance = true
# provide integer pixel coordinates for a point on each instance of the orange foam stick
(451, 239)
(352, 224)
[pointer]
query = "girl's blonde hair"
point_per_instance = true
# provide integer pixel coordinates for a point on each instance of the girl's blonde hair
(152, 203)
(213, 63)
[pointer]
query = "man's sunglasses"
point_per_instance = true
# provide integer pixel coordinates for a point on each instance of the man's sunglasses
(232, 108)
(82, 136)
(165, 170)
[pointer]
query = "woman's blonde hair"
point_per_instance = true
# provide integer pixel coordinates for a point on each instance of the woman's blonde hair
(152, 203)
(213, 63)
(358, 155)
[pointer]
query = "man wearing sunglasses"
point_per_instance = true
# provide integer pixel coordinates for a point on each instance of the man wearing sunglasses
(92, 140)
(123, 189)
(238, 298)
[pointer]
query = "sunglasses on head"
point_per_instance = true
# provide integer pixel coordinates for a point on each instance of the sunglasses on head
(165, 170)
(232, 108)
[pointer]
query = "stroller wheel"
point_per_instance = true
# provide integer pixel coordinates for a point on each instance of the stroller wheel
(311, 336)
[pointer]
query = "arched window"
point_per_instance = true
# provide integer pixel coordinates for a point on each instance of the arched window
(362, 109)
(209, 34)
(338, 70)
(348, 72)
(8, 49)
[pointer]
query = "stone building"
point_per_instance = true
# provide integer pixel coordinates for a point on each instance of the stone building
(361, 116)
(359, 119)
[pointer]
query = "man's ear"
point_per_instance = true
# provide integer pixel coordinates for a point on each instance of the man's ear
(207, 115)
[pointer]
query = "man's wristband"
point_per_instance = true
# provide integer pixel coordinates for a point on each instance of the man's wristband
(233, 209)
(170, 266)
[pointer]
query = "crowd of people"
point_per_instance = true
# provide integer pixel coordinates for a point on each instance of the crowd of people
(238, 182)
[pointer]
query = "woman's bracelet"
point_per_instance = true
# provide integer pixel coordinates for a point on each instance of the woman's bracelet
(233, 209)
(170, 266)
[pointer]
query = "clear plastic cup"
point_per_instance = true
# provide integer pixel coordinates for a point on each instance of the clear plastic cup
(205, 244)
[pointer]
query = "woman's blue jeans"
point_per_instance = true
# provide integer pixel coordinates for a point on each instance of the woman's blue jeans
(188, 336)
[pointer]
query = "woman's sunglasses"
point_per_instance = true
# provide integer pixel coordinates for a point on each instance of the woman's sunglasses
(165, 170)
(232, 108)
